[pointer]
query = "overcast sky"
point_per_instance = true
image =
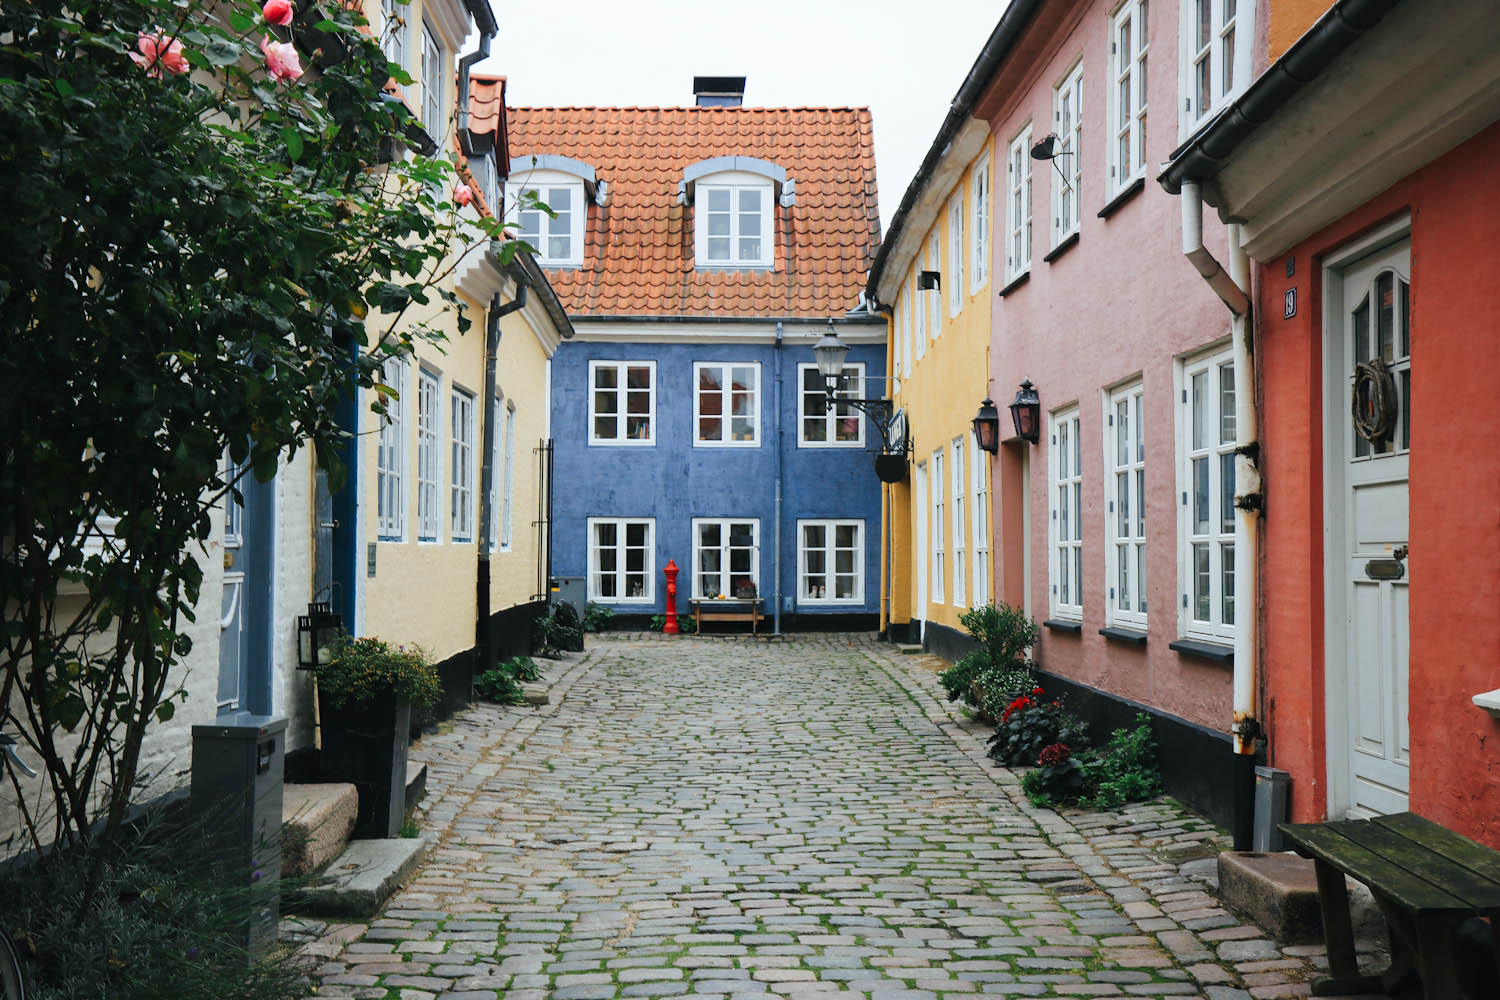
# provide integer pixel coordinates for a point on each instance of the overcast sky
(902, 60)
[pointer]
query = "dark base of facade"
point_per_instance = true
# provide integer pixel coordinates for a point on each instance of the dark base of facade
(791, 621)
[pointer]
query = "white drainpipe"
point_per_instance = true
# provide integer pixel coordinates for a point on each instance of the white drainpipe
(1233, 287)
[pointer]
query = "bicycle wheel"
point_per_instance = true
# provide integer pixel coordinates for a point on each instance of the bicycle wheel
(10, 970)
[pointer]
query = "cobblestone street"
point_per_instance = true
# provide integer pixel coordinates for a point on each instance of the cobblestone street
(727, 818)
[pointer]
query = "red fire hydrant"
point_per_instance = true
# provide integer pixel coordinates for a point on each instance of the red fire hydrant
(671, 570)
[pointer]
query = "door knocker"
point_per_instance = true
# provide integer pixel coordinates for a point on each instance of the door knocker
(1374, 403)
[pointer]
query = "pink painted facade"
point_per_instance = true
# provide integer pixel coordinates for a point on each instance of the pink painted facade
(1119, 306)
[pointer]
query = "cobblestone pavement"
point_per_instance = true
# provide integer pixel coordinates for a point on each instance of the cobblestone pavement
(716, 817)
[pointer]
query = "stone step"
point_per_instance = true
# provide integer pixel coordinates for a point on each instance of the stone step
(1279, 892)
(416, 783)
(910, 648)
(317, 821)
(361, 879)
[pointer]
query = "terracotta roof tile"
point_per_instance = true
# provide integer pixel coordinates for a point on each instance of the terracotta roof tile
(638, 259)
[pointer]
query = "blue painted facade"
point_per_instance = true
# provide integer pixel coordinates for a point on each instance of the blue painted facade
(676, 479)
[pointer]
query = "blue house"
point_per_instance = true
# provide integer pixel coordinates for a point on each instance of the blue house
(700, 253)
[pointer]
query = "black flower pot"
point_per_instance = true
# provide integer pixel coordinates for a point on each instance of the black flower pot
(364, 743)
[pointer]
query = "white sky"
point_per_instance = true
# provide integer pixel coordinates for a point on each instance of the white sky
(902, 60)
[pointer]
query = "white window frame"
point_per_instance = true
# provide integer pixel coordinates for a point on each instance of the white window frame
(621, 391)
(830, 550)
(734, 182)
(726, 401)
(1018, 205)
(955, 279)
(979, 270)
(935, 295)
(1204, 543)
(850, 388)
(390, 455)
(1240, 22)
(508, 501)
(979, 508)
(434, 93)
(960, 524)
(1125, 521)
(429, 456)
(1127, 80)
(622, 525)
(461, 439)
(1067, 172)
(395, 33)
(497, 467)
(1065, 526)
(918, 307)
(939, 489)
(726, 550)
(907, 358)
(535, 226)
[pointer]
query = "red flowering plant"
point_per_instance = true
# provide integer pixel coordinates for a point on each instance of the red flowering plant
(1031, 723)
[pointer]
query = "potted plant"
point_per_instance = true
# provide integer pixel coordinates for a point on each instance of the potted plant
(745, 590)
(367, 689)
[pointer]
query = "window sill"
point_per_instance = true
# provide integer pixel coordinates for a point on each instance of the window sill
(623, 443)
(1015, 283)
(1202, 649)
(1130, 190)
(1070, 628)
(1062, 248)
(1130, 636)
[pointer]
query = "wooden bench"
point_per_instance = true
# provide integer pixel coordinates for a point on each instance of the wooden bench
(729, 610)
(1426, 878)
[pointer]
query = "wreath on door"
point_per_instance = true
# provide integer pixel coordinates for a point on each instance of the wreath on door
(1374, 403)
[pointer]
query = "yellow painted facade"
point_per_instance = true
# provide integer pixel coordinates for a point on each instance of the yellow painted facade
(938, 344)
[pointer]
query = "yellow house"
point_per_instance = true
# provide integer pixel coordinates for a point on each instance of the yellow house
(932, 279)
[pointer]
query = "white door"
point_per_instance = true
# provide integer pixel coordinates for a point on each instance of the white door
(919, 515)
(1372, 432)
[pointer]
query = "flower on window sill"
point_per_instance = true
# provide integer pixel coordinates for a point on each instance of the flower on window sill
(282, 61)
(278, 12)
(155, 53)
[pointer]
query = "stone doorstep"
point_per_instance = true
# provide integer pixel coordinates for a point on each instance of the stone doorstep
(1279, 893)
(416, 783)
(318, 821)
(361, 879)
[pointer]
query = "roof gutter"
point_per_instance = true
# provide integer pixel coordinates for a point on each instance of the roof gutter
(484, 20)
(1201, 157)
(523, 268)
(1015, 19)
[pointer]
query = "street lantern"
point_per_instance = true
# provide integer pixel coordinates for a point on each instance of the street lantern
(315, 631)
(830, 352)
(987, 426)
(1026, 413)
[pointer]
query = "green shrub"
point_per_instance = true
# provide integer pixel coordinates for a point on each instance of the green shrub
(999, 670)
(560, 631)
(357, 670)
(1030, 723)
(1124, 771)
(597, 618)
(1058, 778)
(499, 685)
(686, 624)
(523, 668)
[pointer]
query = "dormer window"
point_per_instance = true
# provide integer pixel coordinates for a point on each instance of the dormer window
(565, 187)
(734, 224)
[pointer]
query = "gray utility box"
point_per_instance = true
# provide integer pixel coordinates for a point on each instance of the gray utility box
(238, 763)
(1273, 797)
(570, 589)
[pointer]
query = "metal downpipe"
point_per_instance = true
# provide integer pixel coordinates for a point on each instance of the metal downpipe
(776, 589)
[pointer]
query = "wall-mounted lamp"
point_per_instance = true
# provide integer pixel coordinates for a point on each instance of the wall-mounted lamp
(928, 280)
(830, 352)
(987, 427)
(1026, 413)
(315, 631)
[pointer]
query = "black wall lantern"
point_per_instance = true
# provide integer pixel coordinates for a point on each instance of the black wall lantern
(928, 281)
(987, 427)
(315, 631)
(1026, 412)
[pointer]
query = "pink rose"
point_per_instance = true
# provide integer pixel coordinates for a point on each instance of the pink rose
(157, 54)
(277, 12)
(462, 195)
(282, 61)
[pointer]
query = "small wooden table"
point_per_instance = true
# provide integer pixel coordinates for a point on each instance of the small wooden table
(730, 609)
(1426, 878)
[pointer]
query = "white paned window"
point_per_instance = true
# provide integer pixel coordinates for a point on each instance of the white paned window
(508, 503)
(1067, 172)
(820, 427)
(954, 280)
(549, 212)
(898, 341)
(726, 557)
(394, 35)
(960, 526)
(1127, 94)
(497, 468)
(830, 562)
(622, 402)
(1216, 39)
(726, 403)
(1207, 478)
(979, 271)
(429, 457)
(939, 528)
(622, 560)
(1125, 457)
(1018, 206)
(461, 510)
(1065, 472)
(390, 458)
(733, 225)
(433, 59)
(934, 295)
(980, 479)
(918, 305)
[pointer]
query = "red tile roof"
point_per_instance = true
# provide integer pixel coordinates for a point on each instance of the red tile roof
(638, 255)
